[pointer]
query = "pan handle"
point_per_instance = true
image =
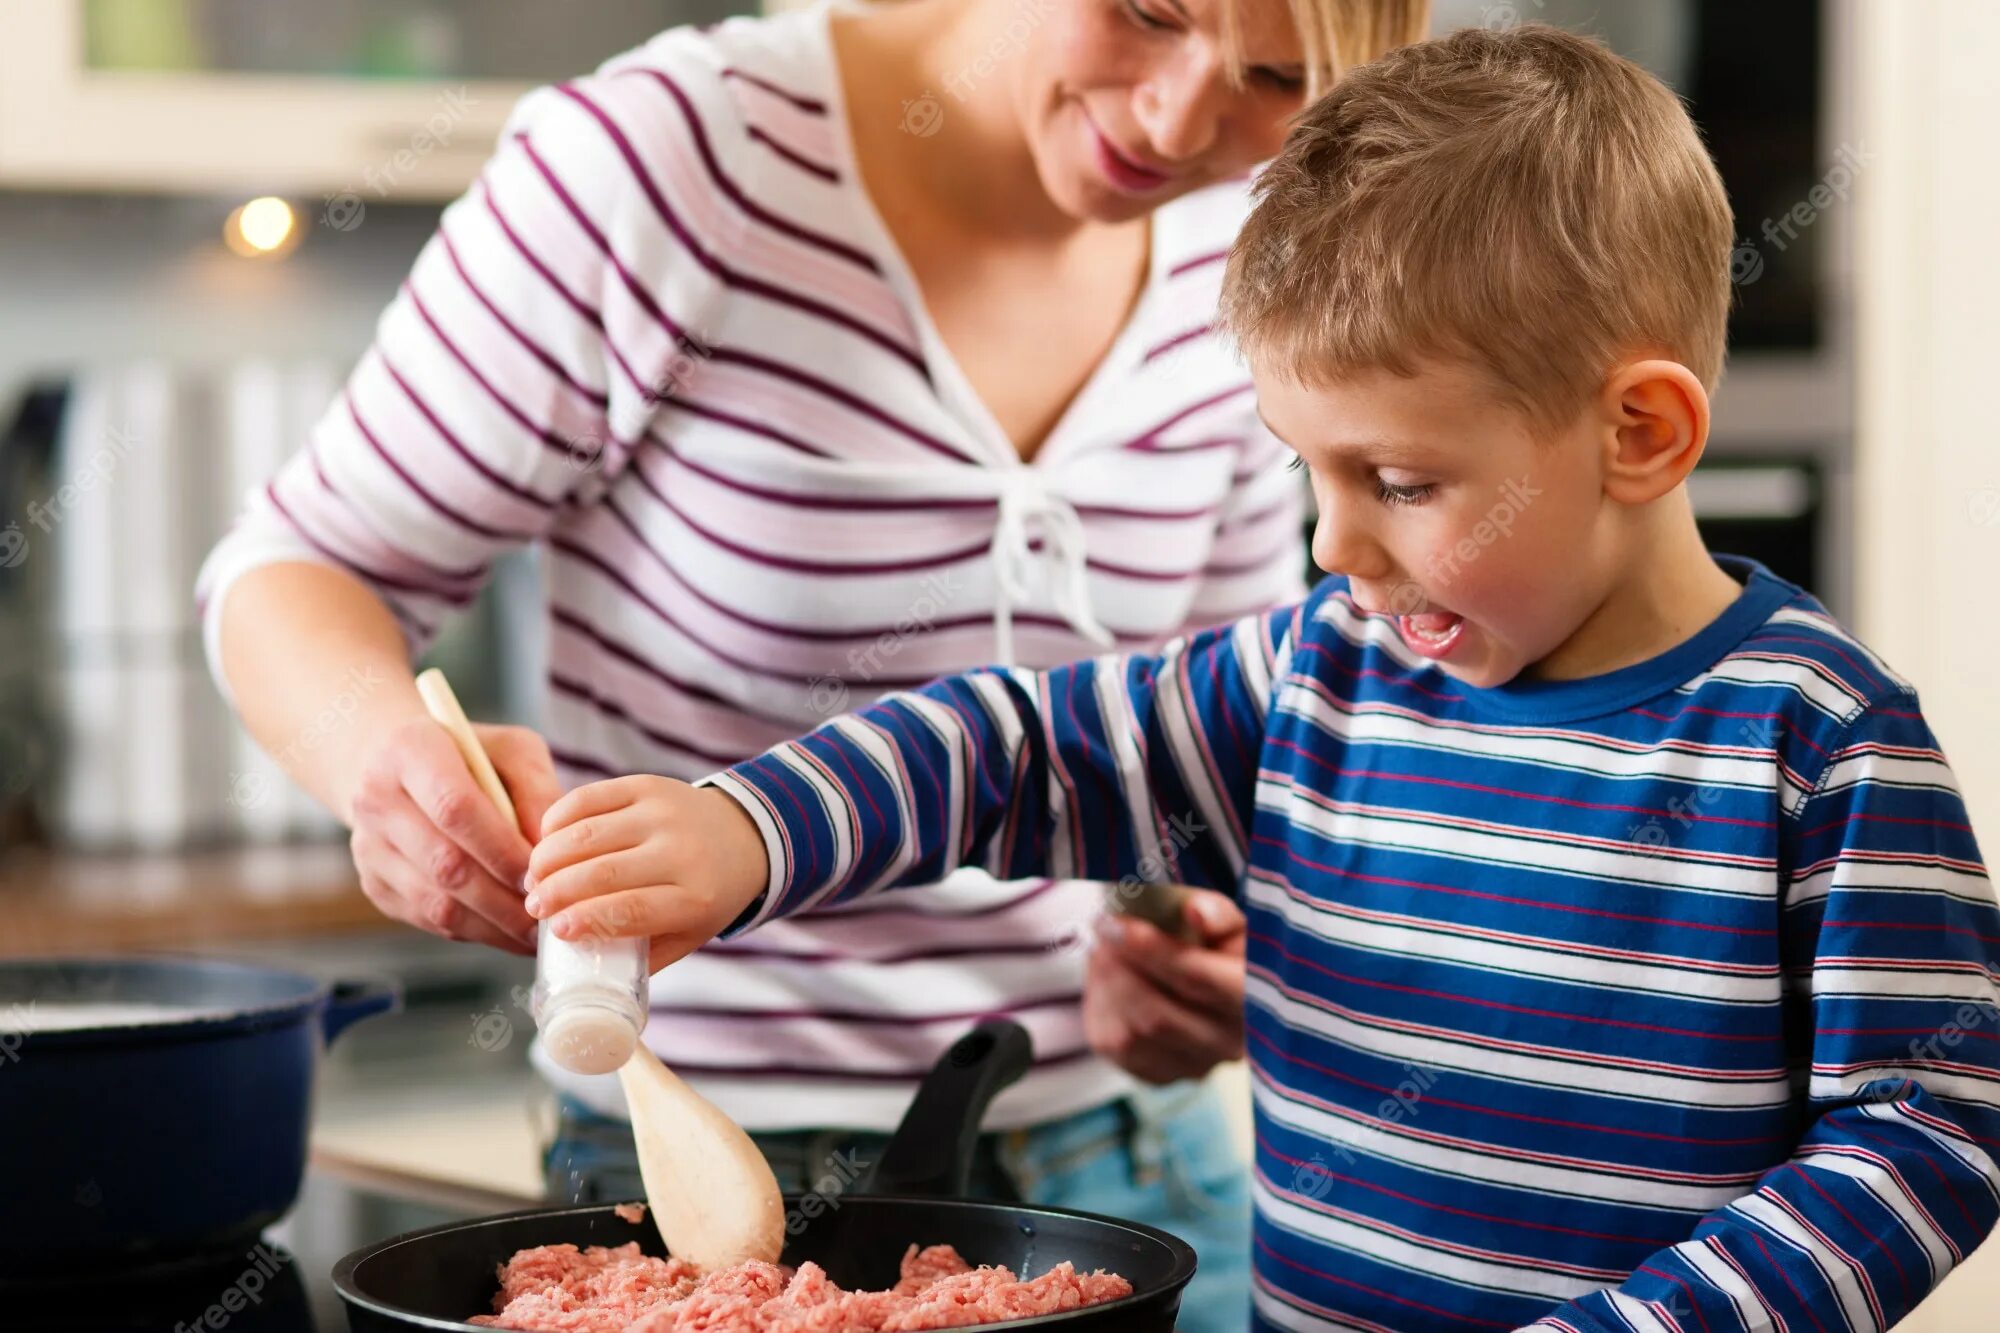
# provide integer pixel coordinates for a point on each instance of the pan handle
(930, 1155)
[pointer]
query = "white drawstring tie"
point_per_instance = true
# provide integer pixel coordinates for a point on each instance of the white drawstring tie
(1025, 497)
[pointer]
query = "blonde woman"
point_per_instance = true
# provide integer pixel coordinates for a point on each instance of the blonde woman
(823, 354)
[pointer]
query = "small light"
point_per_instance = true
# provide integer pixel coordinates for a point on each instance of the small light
(262, 229)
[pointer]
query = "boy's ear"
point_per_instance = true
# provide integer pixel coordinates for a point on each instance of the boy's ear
(1656, 414)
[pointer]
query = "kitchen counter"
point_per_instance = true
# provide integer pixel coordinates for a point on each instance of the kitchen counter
(66, 903)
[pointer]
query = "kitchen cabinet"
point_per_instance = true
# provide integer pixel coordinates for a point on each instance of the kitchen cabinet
(355, 101)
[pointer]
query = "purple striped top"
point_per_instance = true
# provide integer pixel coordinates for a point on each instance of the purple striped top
(666, 337)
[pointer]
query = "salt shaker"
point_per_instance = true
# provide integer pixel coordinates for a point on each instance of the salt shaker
(589, 1000)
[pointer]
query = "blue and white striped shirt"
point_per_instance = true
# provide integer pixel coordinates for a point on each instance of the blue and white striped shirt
(1663, 999)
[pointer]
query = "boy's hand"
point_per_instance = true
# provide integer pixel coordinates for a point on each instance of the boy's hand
(645, 855)
(1161, 1009)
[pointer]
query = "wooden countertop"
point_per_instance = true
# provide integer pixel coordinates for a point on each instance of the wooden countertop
(65, 903)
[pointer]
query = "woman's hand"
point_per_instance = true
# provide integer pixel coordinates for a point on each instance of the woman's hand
(432, 849)
(1162, 1009)
(643, 855)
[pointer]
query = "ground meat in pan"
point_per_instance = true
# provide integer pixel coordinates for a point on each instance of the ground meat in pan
(561, 1289)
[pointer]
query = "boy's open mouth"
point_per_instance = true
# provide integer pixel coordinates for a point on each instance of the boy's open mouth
(1431, 634)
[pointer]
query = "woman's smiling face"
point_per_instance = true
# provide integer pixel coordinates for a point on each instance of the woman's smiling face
(1130, 103)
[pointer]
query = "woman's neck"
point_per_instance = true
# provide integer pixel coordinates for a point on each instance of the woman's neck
(903, 66)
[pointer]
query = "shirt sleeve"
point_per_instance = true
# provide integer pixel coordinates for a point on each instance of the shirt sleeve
(1142, 766)
(1258, 560)
(558, 303)
(1891, 931)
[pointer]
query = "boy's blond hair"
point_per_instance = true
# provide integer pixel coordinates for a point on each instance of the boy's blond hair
(1337, 35)
(1525, 201)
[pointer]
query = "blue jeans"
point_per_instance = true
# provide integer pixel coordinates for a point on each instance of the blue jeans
(1161, 1156)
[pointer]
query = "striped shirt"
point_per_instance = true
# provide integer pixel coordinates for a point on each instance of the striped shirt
(667, 338)
(1663, 999)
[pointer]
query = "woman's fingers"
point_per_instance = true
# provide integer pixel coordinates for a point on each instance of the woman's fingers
(579, 841)
(433, 866)
(398, 892)
(437, 780)
(1199, 975)
(1217, 920)
(1129, 1021)
(527, 771)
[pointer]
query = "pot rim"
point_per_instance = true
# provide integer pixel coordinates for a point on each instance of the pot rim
(222, 1019)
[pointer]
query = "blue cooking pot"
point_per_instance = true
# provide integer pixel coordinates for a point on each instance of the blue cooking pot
(135, 1146)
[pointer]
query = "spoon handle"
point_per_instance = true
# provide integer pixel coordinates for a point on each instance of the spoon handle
(443, 707)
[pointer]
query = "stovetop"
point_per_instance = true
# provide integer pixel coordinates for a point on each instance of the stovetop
(283, 1283)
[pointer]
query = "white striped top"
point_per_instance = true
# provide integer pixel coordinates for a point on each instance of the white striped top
(667, 336)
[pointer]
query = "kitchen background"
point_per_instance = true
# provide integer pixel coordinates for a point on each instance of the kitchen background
(205, 204)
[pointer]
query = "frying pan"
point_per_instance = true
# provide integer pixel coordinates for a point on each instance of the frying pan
(434, 1279)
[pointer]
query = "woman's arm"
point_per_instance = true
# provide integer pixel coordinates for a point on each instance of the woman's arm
(316, 665)
(508, 383)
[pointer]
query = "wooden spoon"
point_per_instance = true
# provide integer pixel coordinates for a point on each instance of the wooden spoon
(710, 1191)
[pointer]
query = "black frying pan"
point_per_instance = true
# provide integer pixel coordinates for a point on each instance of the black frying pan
(434, 1279)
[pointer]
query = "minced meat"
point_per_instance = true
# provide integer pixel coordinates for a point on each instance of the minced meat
(561, 1289)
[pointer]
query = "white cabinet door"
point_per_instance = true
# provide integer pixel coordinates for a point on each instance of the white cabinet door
(177, 120)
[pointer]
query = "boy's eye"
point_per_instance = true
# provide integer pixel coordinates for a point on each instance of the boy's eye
(1143, 17)
(1298, 461)
(1389, 493)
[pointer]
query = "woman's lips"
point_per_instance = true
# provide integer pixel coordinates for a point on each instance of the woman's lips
(1123, 173)
(1431, 634)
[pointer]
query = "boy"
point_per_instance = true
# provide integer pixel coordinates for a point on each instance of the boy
(1620, 956)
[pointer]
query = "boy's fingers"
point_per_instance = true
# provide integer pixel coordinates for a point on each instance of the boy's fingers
(654, 910)
(597, 875)
(581, 840)
(668, 949)
(593, 798)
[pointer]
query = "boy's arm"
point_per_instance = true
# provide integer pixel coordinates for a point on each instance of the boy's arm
(1139, 765)
(1890, 919)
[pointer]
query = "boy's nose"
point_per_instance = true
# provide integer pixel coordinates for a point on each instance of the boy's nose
(1345, 548)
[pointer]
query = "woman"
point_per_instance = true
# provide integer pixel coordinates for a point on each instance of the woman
(824, 353)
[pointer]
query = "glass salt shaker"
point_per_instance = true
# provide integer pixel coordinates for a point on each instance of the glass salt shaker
(589, 999)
